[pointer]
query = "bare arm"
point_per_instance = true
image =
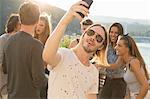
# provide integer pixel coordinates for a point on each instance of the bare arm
(50, 53)
(127, 96)
(141, 77)
(115, 65)
(91, 96)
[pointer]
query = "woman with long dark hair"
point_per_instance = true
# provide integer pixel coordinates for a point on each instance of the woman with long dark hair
(136, 75)
(114, 86)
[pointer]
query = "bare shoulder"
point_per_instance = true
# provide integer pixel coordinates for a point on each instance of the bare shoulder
(135, 61)
(135, 64)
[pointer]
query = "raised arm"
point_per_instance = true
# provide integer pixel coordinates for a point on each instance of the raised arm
(50, 53)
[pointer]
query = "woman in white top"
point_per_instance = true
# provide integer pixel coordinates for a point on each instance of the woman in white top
(136, 74)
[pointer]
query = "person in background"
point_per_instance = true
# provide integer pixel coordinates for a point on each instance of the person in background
(72, 75)
(11, 27)
(43, 28)
(86, 22)
(42, 32)
(114, 86)
(23, 57)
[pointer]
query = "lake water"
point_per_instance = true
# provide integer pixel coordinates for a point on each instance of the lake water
(144, 48)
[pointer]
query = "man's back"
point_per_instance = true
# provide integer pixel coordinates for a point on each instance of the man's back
(23, 58)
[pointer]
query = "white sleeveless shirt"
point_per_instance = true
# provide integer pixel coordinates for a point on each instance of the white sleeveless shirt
(133, 84)
(131, 80)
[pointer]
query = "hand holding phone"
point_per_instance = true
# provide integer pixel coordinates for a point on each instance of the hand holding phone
(89, 2)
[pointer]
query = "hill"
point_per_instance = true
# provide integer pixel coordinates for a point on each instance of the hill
(11, 6)
(108, 19)
(135, 27)
(56, 14)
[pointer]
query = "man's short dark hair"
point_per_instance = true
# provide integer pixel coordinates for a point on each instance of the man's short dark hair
(87, 22)
(29, 13)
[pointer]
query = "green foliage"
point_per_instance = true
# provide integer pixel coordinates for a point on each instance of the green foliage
(66, 41)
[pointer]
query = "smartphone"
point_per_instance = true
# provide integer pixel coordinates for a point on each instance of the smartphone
(89, 2)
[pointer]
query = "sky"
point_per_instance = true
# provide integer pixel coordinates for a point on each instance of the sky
(135, 9)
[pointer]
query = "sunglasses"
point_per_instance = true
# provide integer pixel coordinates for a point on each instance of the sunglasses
(90, 32)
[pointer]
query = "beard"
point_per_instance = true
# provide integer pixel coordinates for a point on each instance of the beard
(87, 49)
